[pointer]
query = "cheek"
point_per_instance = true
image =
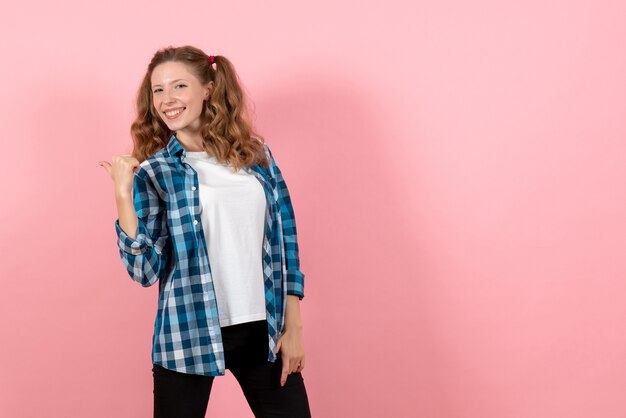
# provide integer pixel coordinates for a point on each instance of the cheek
(202, 102)
(196, 105)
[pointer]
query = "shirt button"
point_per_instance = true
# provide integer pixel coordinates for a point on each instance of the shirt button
(193, 187)
(195, 222)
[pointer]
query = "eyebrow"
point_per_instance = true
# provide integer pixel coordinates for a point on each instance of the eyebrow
(171, 82)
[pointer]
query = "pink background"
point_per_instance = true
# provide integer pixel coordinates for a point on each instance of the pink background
(457, 170)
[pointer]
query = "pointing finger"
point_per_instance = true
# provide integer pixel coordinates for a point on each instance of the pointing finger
(285, 373)
(107, 166)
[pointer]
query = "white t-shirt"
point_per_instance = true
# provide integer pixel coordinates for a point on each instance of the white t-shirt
(233, 210)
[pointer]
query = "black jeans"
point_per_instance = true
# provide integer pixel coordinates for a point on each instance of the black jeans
(180, 395)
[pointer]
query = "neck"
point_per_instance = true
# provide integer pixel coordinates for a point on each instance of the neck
(191, 143)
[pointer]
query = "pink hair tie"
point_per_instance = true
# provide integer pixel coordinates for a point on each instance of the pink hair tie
(211, 59)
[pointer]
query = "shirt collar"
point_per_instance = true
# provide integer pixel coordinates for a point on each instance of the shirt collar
(176, 150)
(173, 146)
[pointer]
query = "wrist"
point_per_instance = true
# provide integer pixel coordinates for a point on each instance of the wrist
(123, 194)
(293, 322)
(293, 327)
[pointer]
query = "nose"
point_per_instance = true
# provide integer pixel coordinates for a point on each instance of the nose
(167, 96)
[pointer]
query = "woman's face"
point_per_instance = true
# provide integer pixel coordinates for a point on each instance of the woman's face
(178, 96)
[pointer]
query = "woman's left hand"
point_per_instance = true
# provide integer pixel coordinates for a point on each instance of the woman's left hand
(291, 347)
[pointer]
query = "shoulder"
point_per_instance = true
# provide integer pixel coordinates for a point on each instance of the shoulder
(266, 147)
(156, 171)
(155, 164)
(268, 152)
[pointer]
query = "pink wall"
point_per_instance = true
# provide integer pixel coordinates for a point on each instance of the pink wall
(457, 170)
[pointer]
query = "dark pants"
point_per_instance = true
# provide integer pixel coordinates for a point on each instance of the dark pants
(180, 395)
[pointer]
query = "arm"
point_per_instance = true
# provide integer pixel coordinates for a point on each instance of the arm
(145, 251)
(291, 343)
(293, 320)
(295, 277)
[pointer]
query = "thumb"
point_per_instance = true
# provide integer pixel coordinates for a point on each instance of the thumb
(107, 166)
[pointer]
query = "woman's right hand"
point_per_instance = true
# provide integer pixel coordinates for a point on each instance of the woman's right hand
(122, 171)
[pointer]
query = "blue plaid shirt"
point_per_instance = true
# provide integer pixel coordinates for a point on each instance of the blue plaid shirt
(170, 248)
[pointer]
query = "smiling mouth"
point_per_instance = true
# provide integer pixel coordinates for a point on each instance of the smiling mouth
(173, 114)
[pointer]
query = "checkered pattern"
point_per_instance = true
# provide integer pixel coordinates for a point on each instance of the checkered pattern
(170, 248)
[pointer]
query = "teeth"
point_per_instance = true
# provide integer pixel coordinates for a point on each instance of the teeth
(174, 112)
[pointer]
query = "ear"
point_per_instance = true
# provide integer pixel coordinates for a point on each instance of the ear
(209, 89)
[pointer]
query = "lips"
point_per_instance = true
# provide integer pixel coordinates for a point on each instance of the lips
(174, 113)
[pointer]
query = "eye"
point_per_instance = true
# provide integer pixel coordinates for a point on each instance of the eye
(155, 90)
(181, 85)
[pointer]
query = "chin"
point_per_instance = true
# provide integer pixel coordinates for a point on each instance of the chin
(176, 126)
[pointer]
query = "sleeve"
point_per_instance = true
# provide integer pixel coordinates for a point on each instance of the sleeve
(146, 257)
(295, 277)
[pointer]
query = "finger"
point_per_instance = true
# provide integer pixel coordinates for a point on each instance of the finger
(107, 166)
(285, 373)
(130, 158)
(295, 363)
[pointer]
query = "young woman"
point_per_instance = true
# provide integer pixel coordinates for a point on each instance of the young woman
(204, 210)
